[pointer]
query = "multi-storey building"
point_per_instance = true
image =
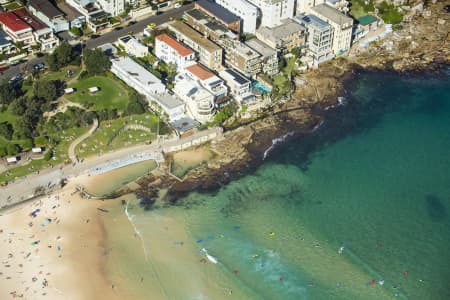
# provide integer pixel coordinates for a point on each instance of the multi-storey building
(114, 7)
(207, 79)
(269, 56)
(205, 24)
(220, 13)
(133, 46)
(18, 30)
(342, 26)
(148, 85)
(209, 54)
(241, 57)
(304, 6)
(246, 11)
(199, 101)
(6, 47)
(240, 86)
(45, 11)
(273, 11)
(284, 37)
(319, 38)
(42, 34)
(171, 51)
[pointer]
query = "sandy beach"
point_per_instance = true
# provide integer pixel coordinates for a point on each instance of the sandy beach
(55, 252)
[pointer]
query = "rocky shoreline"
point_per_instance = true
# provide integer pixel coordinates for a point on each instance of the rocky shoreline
(420, 47)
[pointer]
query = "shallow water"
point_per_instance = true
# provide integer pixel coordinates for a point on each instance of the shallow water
(106, 183)
(365, 216)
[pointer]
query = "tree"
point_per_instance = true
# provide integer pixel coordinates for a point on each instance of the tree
(64, 54)
(3, 151)
(6, 130)
(45, 89)
(22, 128)
(224, 114)
(52, 62)
(76, 31)
(12, 149)
(7, 92)
(136, 105)
(18, 106)
(96, 61)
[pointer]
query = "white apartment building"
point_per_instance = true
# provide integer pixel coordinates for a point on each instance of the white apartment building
(246, 11)
(342, 26)
(133, 46)
(114, 7)
(171, 51)
(199, 101)
(147, 84)
(240, 86)
(207, 79)
(304, 6)
(273, 11)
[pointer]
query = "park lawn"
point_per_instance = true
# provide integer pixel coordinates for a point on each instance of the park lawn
(67, 136)
(61, 74)
(112, 94)
(97, 142)
(290, 66)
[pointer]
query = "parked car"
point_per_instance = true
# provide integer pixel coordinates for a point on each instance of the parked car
(39, 67)
(177, 5)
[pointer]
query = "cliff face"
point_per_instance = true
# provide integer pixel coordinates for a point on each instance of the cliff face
(422, 44)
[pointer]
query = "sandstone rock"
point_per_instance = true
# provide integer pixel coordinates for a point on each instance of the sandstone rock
(441, 21)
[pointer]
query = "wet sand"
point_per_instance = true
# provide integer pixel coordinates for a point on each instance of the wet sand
(48, 254)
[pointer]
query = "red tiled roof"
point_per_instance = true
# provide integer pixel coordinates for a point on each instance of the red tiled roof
(200, 72)
(174, 44)
(23, 14)
(13, 22)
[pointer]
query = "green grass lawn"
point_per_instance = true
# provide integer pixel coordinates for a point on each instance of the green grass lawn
(358, 8)
(10, 118)
(61, 74)
(112, 93)
(97, 143)
(67, 136)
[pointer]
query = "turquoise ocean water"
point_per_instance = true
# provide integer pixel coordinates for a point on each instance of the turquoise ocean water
(360, 210)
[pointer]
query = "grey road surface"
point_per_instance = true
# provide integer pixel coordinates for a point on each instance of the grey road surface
(108, 37)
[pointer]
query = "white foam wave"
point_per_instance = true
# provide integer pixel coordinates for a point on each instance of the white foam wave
(138, 233)
(276, 141)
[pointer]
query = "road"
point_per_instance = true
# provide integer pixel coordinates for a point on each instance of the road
(108, 37)
(23, 188)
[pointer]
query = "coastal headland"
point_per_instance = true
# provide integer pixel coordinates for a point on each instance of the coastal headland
(52, 242)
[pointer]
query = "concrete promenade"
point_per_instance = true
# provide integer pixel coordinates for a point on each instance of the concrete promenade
(24, 188)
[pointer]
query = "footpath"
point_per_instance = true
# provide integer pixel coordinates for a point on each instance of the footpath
(28, 187)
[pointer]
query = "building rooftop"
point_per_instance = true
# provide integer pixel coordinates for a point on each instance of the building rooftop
(367, 19)
(174, 44)
(238, 77)
(195, 36)
(168, 100)
(4, 38)
(45, 7)
(136, 71)
(13, 22)
(287, 28)
(200, 72)
(197, 14)
(218, 11)
(332, 14)
(261, 47)
(312, 20)
(34, 23)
